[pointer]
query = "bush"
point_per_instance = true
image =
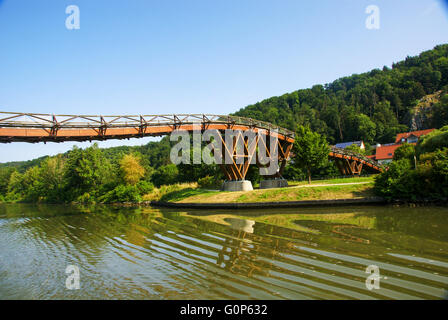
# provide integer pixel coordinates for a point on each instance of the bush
(429, 180)
(389, 184)
(405, 151)
(437, 139)
(122, 193)
(433, 172)
(209, 182)
(294, 174)
(86, 198)
(144, 187)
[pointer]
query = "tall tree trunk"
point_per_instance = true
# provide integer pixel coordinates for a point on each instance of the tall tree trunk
(309, 175)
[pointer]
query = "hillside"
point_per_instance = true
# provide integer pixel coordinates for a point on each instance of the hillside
(430, 111)
(372, 106)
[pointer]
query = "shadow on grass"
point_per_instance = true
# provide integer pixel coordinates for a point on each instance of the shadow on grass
(366, 193)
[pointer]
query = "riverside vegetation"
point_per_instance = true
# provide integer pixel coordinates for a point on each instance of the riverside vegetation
(88, 176)
(373, 107)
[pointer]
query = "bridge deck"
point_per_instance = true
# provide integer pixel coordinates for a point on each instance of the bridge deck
(34, 127)
(27, 127)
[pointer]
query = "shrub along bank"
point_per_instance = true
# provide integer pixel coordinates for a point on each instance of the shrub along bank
(419, 172)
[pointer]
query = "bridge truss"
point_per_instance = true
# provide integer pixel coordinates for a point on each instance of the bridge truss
(351, 163)
(35, 127)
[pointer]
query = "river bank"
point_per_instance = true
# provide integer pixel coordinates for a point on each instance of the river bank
(327, 190)
(320, 193)
(325, 193)
(266, 205)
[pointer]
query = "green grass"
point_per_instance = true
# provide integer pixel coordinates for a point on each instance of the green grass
(177, 192)
(300, 191)
(282, 194)
(315, 193)
(333, 181)
(178, 195)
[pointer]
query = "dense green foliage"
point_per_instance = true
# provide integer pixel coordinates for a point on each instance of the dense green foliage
(166, 175)
(85, 176)
(356, 149)
(405, 151)
(209, 182)
(310, 150)
(440, 113)
(426, 180)
(433, 141)
(372, 106)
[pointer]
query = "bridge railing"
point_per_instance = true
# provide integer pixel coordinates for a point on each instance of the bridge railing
(350, 153)
(49, 121)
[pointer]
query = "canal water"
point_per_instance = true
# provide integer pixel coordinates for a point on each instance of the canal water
(148, 253)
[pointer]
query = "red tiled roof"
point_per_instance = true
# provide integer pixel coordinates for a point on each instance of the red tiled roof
(406, 135)
(386, 152)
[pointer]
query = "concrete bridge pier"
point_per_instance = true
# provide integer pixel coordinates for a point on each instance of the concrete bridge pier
(239, 185)
(273, 183)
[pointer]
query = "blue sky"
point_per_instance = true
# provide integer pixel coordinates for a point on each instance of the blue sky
(195, 56)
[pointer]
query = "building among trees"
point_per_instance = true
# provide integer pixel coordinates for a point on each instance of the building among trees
(411, 137)
(385, 153)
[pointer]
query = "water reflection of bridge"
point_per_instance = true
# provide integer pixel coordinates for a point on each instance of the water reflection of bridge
(269, 257)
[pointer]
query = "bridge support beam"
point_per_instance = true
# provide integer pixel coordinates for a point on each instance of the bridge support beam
(350, 163)
(349, 167)
(242, 152)
(242, 185)
(273, 183)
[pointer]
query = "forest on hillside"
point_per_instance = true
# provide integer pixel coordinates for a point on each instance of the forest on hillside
(373, 106)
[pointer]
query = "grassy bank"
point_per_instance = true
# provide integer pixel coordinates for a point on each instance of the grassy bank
(319, 190)
(176, 192)
(333, 181)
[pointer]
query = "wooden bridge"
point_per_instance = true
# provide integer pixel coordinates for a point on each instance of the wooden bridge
(351, 163)
(33, 128)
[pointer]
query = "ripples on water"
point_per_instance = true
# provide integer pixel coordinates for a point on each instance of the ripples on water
(148, 253)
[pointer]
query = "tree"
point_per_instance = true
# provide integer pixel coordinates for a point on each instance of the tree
(86, 171)
(394, 182)
(15, 184)
(166, 175)
(437, 139)
(50, 182)
(24, 186)
(405, 151)
(440, 113)
(310, 150)
(366, 128)
(5, 174)
(131, 169)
